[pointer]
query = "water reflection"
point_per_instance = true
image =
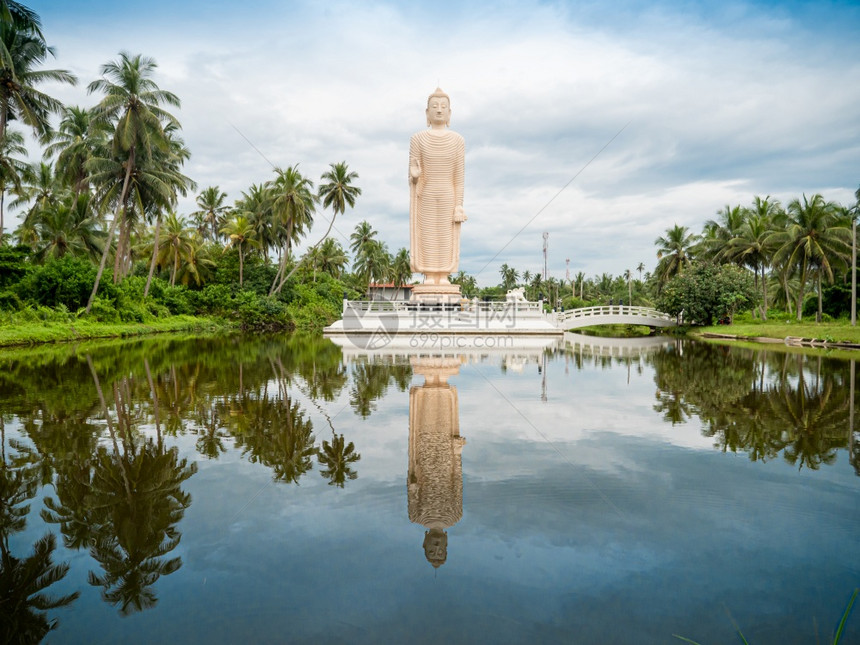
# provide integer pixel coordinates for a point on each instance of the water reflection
(761, 403)
(24, 582)
(104, 427)
(435, 478)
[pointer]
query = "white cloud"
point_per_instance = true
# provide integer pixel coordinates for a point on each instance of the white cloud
(719, 107)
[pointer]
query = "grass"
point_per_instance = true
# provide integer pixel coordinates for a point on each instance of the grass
(835, 331)
(56, 331)
(839, 630)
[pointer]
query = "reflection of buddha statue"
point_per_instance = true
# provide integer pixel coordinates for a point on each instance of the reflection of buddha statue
(436, 168)
(435, 480)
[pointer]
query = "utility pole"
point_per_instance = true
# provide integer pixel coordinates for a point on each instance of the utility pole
(545, 239)
(567, 275)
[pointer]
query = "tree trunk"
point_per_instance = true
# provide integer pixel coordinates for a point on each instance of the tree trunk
(175, 265)
(800, 291)
(764, 295)
(154, 254)
(2, 197)
(120, 249)
(820, 297)
(120, 209)
(241, 263)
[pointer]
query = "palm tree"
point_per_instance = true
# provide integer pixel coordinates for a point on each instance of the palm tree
(362, 235)
(24, 50)
(628, 276)
(210, 217)
(240, 235)
(256, 205)
(69, 227)
(168, 163)
(640, 268)
(750, 247)
(132, 104)
(580, 278)
(401, 268)
(176, 237)
(373, 263)
(74, 144)
(293, 205)
(337, 191)
(13, 169)
(811, 240)
(717, 233)
(330, 258)
(509, 277)
(24, 20)
(673, 253)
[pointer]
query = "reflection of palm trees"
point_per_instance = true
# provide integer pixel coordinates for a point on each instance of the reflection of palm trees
(277, 434)
(22, 582)
(759, 402)
(22, 603)
(337, 457)
(371, 380)
(813, 419)
(135, 503)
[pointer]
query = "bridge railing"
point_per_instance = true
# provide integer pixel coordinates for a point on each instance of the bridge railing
(611, 310)
(464, 305)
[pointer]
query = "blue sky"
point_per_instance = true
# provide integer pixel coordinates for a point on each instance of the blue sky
(721, 101)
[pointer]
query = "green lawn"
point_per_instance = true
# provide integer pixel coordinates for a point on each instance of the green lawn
(838, 331)
(30, 333)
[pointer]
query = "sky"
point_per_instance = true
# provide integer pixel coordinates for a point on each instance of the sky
(600, 124)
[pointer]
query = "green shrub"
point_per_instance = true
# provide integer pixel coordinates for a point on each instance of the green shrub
(104, 310)
(67, 281)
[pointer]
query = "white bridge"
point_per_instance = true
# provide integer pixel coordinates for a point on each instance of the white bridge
(611, 315)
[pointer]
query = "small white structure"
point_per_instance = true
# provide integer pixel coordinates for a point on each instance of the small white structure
(516, 295)
(388, 291)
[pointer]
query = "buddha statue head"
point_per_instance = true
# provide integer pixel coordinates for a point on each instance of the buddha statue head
(438, 109)
(436, 547)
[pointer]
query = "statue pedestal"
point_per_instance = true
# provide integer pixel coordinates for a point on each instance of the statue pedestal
(436, 294)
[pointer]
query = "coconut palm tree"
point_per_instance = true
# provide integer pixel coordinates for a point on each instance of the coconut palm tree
(13, 169)
(210, 219)
(373, 263)
(240, 235)
(362, 235)
(337, 192)
(293, 205)
(509, 276)
(718, 233)
(69, 227)
(401, 268)
(23, 51)
(74, 143)
(330, 258)
(750, 246)
(674, 251)
(256, 205)
(812, 240)
(176, 237)
(132, 106)
(168, 163)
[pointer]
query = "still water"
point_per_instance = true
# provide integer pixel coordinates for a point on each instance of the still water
(277, 490)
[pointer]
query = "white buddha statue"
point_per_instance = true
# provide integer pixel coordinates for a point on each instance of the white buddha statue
(436, 168)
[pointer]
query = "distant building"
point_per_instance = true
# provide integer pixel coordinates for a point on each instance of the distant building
(387, 291)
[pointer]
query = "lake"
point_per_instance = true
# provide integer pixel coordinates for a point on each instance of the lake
(279, 489)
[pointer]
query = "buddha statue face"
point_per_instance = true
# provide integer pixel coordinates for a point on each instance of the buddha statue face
(436, 547)
(438, 111)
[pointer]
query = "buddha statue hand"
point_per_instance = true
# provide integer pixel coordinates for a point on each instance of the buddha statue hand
(459, 215)
(414, 170)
